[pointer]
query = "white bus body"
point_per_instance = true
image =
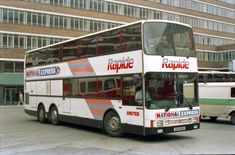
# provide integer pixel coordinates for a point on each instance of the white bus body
(50, 91)
(217, 99)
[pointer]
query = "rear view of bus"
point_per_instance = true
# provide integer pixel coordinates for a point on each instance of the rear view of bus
(170, 78)
(138, 78)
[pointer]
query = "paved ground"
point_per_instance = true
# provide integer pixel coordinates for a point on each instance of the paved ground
(21, 134)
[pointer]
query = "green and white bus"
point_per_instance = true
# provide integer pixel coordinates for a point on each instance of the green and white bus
(217, 95)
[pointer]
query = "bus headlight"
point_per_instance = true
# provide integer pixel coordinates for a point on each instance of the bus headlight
(159, 123)
(190, 120)
(195, 119)
(167, 122)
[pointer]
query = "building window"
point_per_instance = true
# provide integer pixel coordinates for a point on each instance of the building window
(9, 66)
(19, 67)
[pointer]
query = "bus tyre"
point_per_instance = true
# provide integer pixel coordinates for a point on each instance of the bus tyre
(41, 114)
(112, 124)
(233, 118)
(54, 116)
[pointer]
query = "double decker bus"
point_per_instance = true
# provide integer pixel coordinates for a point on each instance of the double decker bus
(138, 78)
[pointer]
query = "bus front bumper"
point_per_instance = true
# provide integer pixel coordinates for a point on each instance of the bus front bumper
(172, 129)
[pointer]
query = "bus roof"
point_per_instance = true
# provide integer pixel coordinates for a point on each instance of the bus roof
(215, 72)
(218, 84)
(118, 27)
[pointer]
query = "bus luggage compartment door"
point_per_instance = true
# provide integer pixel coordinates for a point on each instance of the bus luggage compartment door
(66, 105)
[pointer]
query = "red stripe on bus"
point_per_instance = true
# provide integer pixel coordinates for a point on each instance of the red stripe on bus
(78, 61)
(79, 70)
(97, 112)
(94, 101)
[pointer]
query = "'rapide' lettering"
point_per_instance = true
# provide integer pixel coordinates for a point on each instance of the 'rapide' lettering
(177, 64)
(120, 64)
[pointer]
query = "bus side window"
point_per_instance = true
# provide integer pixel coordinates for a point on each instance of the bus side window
(202, 78)
(232, 92)
(131, 84)
(232, 77)
(88, 87)
(210, 77)
(109, 87)
(67, 87)
(70, 51)
(83, 47)
(29, 60)
(131, 38)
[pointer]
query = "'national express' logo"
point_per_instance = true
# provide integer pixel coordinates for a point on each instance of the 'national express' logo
(43, 72)
(175, 64)
(124, 63)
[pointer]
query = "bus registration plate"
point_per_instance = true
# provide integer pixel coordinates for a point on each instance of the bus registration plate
(181, 128)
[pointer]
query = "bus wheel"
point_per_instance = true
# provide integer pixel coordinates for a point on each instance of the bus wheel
(112, 124)
(233, 118)
(213, 118)
(41, 114)
(54, 116)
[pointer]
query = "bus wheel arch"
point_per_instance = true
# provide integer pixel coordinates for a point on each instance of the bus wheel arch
(112, 123)
(41, 113)
(232, 114)
(53, 114)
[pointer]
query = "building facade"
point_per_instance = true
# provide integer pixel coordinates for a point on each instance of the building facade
(29, 24)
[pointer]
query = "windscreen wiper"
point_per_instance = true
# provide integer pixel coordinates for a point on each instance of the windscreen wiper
(189, 104)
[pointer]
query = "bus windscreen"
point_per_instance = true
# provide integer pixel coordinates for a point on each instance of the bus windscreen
(167, 39)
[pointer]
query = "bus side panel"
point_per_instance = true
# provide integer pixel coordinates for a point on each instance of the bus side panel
(56, 88)
(30, 89)
(214, 100)
(95, 109)
(132, 115)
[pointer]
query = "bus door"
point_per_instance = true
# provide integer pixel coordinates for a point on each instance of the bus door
(132, 99)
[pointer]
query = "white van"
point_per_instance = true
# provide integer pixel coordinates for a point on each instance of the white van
(217, 99)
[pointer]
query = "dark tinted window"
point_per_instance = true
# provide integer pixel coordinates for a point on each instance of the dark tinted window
(209, 77)
(41, 58)
(70, 51)
(202, 78)
(70, 87)
(114, 41)
(103, 87)
(108, 42)
(131, 38)
(109, 87)
(91, 46)
(131, 85)
(221, 77)
(30, 58)
(232, 77)
(83, 50)
(52, 54)
(88, 86)
(232, 92)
